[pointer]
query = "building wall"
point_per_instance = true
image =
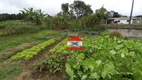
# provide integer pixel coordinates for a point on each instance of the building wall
(127, 32)
(140, 18)
(123, 22)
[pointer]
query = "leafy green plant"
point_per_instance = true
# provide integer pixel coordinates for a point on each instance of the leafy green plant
(52, 63)
(106, 58)
(60, 48)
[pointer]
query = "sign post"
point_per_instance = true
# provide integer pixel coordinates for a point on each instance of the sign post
(74, 43)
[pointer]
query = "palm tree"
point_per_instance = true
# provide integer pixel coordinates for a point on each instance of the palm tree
(131, 11)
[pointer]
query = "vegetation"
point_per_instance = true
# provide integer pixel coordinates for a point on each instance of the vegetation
(52, 63)
(60, 48)
(115, 34)
(76, 15)
(104, 61)
(4, 17)
(99, 61)
(34, 16)
(30, 53)
(18, 27)
(15, 40)
(6, 54)
(9, 70)
(80, 9)
(105, 56)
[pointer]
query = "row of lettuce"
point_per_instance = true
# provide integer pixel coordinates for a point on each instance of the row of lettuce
(33, 51)
(104, 58)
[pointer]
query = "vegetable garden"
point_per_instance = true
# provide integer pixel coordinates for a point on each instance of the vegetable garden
(34, 47)
(103, 58)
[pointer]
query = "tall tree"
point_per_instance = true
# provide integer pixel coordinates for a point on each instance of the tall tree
(131, 11)
(116, 14)
(79, 9)
(65, 8)
(99, 16)
(34, 16)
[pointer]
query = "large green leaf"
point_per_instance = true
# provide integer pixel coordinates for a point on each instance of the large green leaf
(70, 71)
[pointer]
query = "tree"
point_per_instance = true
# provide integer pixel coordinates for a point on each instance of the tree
(113, 14)
(79, 9)
(65, 8)
(99, 16)
(34, 16)
(7, 16)
(102, 13)
(108, 15)
(65, 11)
(60, 13)
(116, 14)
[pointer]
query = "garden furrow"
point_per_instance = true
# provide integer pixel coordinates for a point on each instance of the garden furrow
(28, 66)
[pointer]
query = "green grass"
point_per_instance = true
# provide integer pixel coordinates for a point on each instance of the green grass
(9, 70)
(15, 40)
(18, 27)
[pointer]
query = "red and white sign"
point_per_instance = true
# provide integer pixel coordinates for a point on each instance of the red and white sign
(74, 43)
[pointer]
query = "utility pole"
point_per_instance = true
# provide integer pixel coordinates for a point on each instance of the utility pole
(131, 12)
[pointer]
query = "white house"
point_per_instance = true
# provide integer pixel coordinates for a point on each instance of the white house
(122, 20)
(140, 18)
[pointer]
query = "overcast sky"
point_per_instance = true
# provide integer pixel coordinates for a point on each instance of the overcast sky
(54, 6)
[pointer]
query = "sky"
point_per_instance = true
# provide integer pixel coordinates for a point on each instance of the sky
(52, 7)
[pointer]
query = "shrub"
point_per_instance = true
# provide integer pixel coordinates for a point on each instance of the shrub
(115, 34)
(103, 27)
(75, 25)
(47, 22)
(59, 22)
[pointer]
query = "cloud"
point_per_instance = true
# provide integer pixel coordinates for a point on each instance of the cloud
(52, 7)
(5, 7)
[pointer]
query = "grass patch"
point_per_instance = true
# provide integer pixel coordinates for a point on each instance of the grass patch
(9, 70)
(15, 40)
(17, 27)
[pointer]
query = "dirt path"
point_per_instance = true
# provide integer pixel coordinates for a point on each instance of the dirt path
(28, 67)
